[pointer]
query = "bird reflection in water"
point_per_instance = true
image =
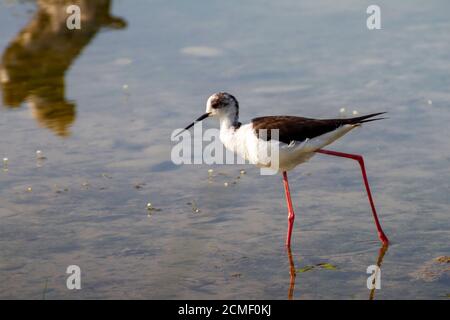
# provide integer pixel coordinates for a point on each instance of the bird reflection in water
(293, 273)
(33, 66)
(381, 254)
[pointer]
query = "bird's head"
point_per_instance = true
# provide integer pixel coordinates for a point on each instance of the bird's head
(220, 105)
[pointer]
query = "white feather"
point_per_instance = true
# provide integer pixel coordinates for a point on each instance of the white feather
(246, 144)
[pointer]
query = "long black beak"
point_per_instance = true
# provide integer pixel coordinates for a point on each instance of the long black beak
(203, 116)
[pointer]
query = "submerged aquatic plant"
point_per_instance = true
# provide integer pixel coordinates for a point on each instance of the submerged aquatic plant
(326, 266)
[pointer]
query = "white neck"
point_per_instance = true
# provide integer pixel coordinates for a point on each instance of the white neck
(228, 120)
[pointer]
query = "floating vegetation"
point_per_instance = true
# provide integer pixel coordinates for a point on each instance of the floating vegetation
(61, 190)
(305, 269)
(326, 266)
(433, 269)
(139, 186)
(40, 155)
(210, 175)
(195, 208)
(230, 179)
(151, 209)
(39, 158)
(443, 259)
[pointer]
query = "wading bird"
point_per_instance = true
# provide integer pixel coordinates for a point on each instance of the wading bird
(297, 139)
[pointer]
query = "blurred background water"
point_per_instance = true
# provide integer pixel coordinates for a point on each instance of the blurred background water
(100, 104)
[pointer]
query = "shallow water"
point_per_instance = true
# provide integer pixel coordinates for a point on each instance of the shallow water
(101, 106)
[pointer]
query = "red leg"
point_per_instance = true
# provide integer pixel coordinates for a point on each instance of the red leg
(291, 214)
(360, 160)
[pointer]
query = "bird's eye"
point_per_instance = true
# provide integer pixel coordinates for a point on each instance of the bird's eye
(215, 104)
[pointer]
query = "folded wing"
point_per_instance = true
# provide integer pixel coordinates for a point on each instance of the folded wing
(293, 128)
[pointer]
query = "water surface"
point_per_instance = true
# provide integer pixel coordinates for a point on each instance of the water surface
(101, 104)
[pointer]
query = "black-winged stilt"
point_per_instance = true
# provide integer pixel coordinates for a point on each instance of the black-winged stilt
(297, 139)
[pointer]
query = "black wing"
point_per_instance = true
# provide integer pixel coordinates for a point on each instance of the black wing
(299, 129)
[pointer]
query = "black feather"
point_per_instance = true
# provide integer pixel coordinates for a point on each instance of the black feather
(299, 129)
